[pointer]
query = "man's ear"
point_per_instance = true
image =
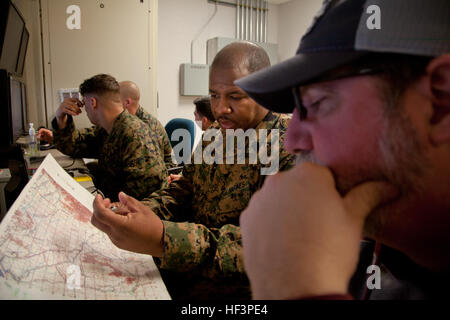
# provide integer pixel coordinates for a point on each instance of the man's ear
(439, 83)
(94, 102)
(204, 121)
(127, 102)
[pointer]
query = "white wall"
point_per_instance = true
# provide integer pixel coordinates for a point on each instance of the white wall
(114, 38)
(294, 18)
(178, 23)
(120, 39)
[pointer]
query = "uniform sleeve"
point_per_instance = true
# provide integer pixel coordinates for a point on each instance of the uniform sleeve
(191, 247)
(167, 147)
(168, 154)
(82, 143)
(144, 170)
(174, 201)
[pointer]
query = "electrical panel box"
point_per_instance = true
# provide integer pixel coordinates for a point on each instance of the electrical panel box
(194, 79)
(214, 45)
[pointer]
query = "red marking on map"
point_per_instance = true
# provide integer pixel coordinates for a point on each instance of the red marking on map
(24, 221)
(17, 241)
(81, 213)
(130, 280)
(90, 258)
(115, 273)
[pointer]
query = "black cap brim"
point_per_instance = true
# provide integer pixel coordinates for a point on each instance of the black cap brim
(272, 87)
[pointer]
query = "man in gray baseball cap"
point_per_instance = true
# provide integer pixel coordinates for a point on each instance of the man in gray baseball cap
(369, 88)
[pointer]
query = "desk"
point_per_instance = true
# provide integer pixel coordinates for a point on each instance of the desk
(66, 163)
(63, 160)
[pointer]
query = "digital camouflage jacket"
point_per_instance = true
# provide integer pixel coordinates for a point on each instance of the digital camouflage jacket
(202, 239)
(159, 134)
(128, 159)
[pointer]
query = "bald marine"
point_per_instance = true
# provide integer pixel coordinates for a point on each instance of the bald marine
(130, 96)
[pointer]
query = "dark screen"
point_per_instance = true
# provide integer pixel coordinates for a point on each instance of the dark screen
(24, 108)
(16, 109)
(11, 43)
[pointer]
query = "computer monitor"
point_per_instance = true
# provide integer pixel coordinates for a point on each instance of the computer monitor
(24, 107)
(17, 106)
(12, 108)
(12, 26)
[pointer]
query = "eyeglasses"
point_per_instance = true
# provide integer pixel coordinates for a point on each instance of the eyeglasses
(303, 112)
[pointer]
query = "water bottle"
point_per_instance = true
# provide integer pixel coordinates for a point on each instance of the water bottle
(32, 142)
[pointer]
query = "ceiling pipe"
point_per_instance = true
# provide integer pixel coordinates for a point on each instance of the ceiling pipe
(266, 18)
(262, 21)
(248, 20)
(247, 26)
(251, 21)
(261, 17)
(242, 20)
(256, 20)
(237, 19)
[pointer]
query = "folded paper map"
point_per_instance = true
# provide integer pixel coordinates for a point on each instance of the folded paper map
(50, 250)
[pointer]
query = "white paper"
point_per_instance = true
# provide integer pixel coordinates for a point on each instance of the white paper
(50, 250)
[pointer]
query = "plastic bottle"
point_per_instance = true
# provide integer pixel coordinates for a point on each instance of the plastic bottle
(32, 143)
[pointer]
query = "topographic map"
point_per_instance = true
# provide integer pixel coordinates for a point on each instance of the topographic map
(50, 250)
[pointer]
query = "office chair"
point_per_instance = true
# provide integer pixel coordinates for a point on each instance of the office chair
(180, 123)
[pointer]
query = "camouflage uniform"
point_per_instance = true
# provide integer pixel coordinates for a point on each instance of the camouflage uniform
(159, 134)
(128, 160)
(202, 240)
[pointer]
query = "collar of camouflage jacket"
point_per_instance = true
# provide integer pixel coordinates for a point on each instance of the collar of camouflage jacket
(120, 121)
(140, 112)
(267, 123)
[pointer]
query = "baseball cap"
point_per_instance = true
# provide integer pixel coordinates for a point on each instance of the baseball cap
(345, 30)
